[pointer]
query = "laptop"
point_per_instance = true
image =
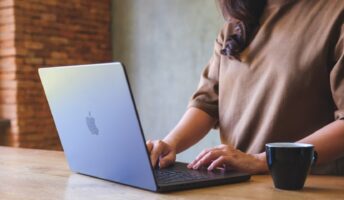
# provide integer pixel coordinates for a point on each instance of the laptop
(101, 134)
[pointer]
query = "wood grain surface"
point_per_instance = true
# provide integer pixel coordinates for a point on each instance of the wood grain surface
(37, 174)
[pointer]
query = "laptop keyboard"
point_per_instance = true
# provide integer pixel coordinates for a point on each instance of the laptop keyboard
(177, 174)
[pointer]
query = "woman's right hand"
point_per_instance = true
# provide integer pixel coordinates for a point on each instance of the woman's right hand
(161, 153)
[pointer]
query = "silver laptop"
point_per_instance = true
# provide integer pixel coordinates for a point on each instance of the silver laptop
(100, 131)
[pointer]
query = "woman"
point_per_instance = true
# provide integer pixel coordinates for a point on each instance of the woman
(276, 75)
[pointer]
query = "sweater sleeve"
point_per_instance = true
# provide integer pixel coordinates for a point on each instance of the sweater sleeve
(207, 94)
(337, 76)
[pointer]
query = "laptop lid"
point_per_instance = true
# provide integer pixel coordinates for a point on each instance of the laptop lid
(97, 122)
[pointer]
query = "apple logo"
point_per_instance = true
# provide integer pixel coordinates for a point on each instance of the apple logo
(91, 124)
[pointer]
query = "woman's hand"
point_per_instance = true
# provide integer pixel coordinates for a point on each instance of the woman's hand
(161, 153)
(225, 156)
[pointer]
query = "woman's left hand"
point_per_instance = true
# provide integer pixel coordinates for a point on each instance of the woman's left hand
(225, 156)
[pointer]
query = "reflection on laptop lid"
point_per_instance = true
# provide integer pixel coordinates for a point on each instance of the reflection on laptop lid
(100, 131)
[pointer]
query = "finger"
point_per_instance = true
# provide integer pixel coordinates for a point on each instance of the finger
(149, 145)
(208, 158)
(219, 162)
(200, 156)
(165, 150)
(167, 160)
(156, 152)
(167, 157)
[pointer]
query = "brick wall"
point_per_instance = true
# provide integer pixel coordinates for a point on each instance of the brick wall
(47, 33)
(8, 83)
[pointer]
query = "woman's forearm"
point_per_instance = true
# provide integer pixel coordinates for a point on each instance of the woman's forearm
(328, 141)
(193, 126)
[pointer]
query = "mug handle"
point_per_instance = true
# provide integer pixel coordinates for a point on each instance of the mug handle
(315, 158)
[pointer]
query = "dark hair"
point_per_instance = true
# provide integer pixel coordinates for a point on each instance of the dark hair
(247, 13)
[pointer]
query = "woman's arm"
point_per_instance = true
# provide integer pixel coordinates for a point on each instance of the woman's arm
(193, 126)
(328, 142)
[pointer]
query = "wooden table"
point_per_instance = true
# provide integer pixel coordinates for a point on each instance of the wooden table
(36, 174)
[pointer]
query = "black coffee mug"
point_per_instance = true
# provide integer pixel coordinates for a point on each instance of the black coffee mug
(290, 163)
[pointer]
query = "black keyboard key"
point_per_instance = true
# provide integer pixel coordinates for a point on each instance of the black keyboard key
(175, 174)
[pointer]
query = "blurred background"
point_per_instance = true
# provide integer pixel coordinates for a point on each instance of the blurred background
(164, 44)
